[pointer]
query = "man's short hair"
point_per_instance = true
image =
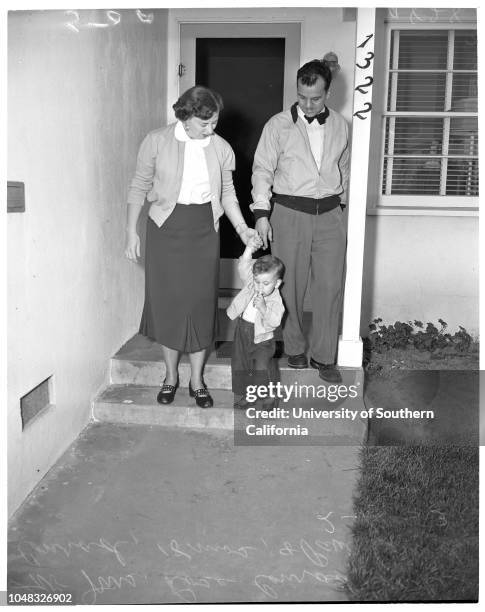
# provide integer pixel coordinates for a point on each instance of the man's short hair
(269, 263)
(198, 101)
(309, 73)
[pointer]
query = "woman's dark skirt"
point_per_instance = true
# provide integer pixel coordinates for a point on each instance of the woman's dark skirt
(182, 279)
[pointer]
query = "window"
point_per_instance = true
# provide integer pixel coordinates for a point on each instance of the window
(430, 134)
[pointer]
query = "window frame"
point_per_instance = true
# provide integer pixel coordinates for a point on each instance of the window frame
(418, 202)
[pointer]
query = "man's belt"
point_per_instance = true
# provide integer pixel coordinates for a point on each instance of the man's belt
(311, 206)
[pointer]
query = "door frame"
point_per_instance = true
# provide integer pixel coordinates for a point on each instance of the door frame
(289, 31)
(241, 20)
(200, 24)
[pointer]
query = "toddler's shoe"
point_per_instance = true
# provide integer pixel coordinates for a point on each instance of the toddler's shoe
(298, 361)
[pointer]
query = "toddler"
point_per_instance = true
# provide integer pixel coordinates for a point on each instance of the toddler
(258, 308)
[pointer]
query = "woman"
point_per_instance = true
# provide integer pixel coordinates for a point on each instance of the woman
(185, 171)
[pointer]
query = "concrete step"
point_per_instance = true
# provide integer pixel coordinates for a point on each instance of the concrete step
(137, 370)
(140, 362)
(137, 404)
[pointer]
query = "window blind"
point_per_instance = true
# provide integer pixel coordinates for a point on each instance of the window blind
(431, 120)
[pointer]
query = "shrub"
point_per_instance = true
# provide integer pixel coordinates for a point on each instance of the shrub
(414, 334)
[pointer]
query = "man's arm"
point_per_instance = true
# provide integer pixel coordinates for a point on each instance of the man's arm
(264, 167)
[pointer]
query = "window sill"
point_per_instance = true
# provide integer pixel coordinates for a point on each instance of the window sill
(421, 211)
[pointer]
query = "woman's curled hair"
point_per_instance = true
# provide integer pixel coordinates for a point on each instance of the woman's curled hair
(198, 101)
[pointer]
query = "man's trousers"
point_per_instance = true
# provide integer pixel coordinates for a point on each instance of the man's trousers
(312, 247)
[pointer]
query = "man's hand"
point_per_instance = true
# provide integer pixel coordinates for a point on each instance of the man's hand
(132, 248)
(265, 230)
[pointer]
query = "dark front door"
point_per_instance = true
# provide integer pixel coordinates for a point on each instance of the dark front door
(249, 75)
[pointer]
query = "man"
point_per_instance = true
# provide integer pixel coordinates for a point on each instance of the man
(301, 165)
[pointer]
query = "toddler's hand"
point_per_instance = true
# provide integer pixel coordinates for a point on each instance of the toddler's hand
(259, 303)
(255, 242)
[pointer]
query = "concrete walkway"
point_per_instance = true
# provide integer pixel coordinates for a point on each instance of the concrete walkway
(145, 514)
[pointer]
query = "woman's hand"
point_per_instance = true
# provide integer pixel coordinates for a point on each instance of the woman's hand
(248, 234)
(132, 248)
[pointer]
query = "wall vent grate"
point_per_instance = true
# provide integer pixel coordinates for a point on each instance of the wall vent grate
(35, 401)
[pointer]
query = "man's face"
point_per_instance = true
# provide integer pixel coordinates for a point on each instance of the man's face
(311, 98)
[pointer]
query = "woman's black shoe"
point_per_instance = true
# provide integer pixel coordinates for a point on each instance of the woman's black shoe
(202, 396)
(167, 393)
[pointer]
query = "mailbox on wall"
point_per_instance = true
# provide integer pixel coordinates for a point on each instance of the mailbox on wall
(15, 196)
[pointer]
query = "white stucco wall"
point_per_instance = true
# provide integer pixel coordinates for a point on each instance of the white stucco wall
(79, 104)
(423, 268)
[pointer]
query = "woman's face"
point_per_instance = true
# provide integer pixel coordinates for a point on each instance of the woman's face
(201, 128)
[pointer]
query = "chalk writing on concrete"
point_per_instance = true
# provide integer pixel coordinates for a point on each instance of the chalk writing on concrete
(182, 569)
(31, 551)
(184, 586)
(100, 584)
(184, 550)
(327, 525)
(39, 582)
(262, 580)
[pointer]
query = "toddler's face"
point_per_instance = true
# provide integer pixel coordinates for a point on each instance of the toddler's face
(266, 282)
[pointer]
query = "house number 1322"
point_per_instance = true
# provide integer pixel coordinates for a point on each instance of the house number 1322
(364, 88)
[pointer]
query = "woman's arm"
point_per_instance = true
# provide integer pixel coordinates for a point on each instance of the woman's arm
(140, 185)
(142, 181)
(229, 200)
(132, 244)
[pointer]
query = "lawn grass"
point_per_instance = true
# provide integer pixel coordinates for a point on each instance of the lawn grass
(415, 537)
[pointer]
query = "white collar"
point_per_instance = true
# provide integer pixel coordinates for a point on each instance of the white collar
(181, 134)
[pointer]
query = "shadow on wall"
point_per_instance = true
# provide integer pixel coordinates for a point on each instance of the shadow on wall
(338, 92)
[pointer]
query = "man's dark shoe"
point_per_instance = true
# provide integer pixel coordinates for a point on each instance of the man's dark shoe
(298, 361)
(328, 371)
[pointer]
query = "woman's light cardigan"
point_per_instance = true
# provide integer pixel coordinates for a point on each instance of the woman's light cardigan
(159, 170)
